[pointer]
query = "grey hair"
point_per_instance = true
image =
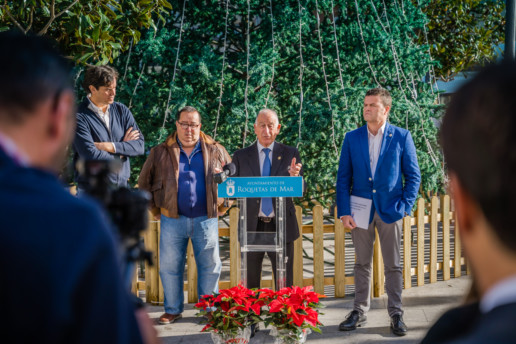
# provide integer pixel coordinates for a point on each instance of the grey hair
(267, 111)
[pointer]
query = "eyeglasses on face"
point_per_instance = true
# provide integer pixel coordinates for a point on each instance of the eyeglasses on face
(189, 125)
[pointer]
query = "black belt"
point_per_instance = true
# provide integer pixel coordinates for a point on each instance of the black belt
(265, 219)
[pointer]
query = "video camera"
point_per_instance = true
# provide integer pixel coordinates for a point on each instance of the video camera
(128, 208)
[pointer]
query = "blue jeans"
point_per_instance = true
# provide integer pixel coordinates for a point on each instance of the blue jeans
(204, 233)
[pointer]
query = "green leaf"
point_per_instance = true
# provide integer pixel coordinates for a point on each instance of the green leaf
(166, 4)
(116, 46)
(95, 34)
(89, 20)
(85, 57)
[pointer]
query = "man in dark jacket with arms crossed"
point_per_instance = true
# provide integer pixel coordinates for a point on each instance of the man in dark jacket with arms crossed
(105, 129)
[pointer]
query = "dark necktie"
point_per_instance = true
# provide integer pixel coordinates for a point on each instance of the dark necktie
(266, 171)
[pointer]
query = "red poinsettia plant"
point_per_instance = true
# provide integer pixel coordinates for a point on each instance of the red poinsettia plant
(230, 310)
(294, 309)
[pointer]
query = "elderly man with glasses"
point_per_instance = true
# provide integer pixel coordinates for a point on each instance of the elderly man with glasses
(179, 175)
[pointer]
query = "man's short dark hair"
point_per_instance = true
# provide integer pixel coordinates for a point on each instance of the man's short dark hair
(31, 71)
(98, 76)
(385, 95)
(478, 136)
(188, 109)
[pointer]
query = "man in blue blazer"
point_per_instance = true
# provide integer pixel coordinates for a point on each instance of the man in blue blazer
(377, 162)
(479, 145)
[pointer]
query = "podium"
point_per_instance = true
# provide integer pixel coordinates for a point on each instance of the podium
(246, 188)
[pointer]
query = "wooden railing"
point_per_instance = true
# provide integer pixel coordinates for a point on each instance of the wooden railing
(431, 215)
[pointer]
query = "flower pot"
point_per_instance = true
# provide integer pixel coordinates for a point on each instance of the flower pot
(241, 337)
(285, 336)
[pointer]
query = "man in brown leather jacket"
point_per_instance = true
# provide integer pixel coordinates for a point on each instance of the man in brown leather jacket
(179, 175)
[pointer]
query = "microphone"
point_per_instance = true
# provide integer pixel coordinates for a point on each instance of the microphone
(227, 171)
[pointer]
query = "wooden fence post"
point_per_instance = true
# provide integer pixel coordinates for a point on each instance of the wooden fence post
(234, 248)
(377, 266)
(340, 257)
(433, 240)
(161, 291)
(134, 282)
(152, 282)
(191, 274)
(318, 249)
(445, 217)
(420, 242)
(407, 254)
(298, 250)
(458, 250)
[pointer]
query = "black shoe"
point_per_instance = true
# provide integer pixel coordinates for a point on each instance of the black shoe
(398, 327)
(254, 328)
(353, 320)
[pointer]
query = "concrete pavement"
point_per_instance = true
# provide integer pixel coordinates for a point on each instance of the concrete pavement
(422, 305)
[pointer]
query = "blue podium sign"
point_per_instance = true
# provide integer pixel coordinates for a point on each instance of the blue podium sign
(246, 187)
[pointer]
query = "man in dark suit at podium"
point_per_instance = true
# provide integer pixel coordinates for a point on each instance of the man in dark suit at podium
(479, 144)
(266, 157)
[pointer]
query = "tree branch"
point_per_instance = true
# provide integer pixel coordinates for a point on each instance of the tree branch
(53, 15)
(236, 70)
(259, 87)
(6, 9)
(31, 18)
(66, 9)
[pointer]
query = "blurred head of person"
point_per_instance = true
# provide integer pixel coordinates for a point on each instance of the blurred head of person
(36, 99)
(478, 137)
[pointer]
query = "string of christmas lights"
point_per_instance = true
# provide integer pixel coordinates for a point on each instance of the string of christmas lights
(222, 70)
(167, 108)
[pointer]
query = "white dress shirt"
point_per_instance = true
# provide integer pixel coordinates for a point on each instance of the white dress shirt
(13, 151)
(261, 156)
(375, 143)
(502, 293)
(104, 116)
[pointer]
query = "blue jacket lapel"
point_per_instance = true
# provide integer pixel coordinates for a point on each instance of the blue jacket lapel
(386, 141)
(364, 145)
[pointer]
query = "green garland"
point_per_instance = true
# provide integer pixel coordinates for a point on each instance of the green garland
(373, 43)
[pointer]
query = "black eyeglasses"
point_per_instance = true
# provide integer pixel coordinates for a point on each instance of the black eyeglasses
(188, 125)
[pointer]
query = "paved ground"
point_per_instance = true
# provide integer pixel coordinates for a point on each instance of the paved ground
(423, 305)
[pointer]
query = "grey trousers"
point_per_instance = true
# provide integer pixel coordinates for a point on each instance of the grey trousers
(390, 241)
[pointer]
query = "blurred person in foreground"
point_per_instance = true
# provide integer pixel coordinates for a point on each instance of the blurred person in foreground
(479, 143)
(60, 279)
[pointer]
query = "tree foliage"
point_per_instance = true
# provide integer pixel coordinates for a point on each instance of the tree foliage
(286, 67)
(89, 31)
(463, 33)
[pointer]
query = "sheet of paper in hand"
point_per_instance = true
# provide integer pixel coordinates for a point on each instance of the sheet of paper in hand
(360, 211)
